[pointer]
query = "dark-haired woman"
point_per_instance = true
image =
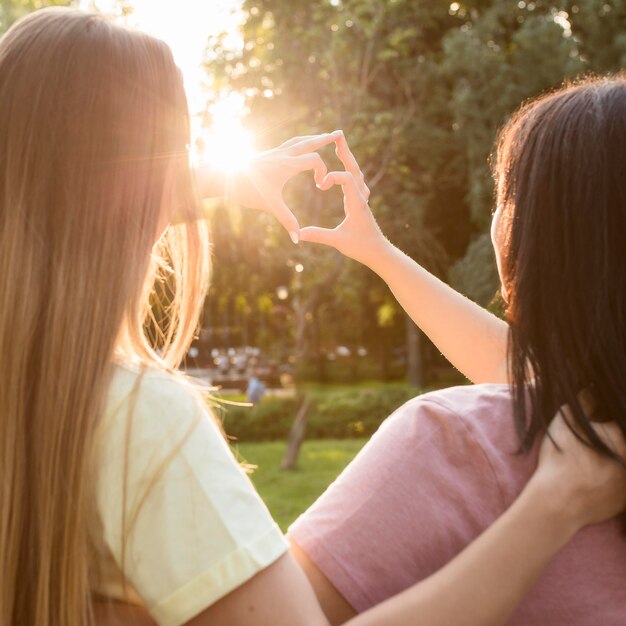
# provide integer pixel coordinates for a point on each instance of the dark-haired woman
(446, 465)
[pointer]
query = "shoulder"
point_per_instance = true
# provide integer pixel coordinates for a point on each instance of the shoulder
(148, 386)
(452, 442)
(159, 392)
(154, 408)
(476, 411)
(176, 511)
(468, 425)
(430, 480)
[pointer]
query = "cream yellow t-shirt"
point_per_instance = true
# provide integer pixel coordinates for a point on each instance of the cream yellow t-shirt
(195, 527)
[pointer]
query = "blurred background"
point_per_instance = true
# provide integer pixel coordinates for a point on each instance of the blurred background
(420, 88)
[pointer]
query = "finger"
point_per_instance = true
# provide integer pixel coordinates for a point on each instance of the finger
(315, 142)
(295, 140)
(348, 159)
(311, 161)
(278, 208)
(287, 219)
(349, 186)
(351, 164)
(314, 234)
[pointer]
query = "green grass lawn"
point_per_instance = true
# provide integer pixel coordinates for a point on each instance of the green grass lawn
(289, 493)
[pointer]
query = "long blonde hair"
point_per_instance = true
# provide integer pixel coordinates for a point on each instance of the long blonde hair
(93, 123)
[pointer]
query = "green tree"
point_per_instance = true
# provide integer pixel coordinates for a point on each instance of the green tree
(420, 88)
(308, 67)
(502, 54)
(11, 10)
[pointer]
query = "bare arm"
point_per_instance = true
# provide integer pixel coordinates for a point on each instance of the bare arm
(469, 590)
(485, 583)
(480, 587)
(280, 595)
(471, 338)
(260, 184)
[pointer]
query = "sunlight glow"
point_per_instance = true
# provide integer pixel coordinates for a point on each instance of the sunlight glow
(227, 145)
(186, 26)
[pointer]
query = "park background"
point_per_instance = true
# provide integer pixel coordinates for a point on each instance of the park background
(420, 88)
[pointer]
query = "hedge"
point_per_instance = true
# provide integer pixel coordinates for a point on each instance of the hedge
(334, 414)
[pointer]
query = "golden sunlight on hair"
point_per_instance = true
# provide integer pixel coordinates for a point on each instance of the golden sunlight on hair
(76, 253)
(226, 144)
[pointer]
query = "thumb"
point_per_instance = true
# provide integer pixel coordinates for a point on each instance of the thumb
(314, 234)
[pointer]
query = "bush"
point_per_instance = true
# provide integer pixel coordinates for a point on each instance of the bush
(269, 420)
(347, 371)
(334, 413)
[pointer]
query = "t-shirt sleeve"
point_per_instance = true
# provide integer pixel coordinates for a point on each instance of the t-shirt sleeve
(195, 528)
(418, 492)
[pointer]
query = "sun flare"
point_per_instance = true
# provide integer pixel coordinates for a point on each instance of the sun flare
(226, 144)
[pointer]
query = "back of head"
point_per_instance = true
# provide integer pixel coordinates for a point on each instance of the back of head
(93, 144)
(561, 183)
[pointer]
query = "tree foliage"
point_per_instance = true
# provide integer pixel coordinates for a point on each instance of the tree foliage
(12, 10)
(420, 88)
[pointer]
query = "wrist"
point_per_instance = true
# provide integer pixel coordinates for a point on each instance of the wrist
(557, 506)
(380, 255)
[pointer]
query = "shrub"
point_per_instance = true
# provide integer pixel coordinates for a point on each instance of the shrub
(334, 413)
(269, 420)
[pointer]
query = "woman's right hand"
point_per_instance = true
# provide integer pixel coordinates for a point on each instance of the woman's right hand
(587, 487)
(358, 236)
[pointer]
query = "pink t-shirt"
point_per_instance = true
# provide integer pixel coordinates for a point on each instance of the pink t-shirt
(437, 473)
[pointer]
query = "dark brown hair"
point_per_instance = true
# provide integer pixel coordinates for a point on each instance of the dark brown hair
(561, 186)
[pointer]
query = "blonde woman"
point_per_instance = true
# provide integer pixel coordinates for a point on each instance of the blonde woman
(116, 483)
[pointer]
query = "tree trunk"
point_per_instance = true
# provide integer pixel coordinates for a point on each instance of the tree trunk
(320, 356)
(383, 354)
(296, 436)
(415, 366)
(353, 364)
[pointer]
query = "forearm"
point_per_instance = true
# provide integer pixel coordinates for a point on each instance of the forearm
(484, 584)
(471, 338)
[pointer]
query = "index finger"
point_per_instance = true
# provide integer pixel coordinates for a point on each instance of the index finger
(350, 163)
(315, 142)
(347, 158)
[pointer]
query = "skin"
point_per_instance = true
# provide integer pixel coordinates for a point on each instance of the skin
(471, 338)
(570, 489)
(496, 239)
(260, 185)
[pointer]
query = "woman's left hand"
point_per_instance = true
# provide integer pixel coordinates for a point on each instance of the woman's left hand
(587, 487)
(260, 185)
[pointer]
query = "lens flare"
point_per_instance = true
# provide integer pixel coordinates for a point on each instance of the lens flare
(227, 144)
